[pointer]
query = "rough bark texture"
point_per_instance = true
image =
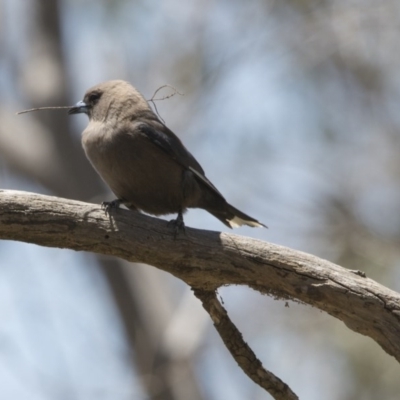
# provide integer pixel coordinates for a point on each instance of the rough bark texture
(240, 350)
(206, 260)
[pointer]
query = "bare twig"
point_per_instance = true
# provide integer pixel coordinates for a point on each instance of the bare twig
(175, 91)
(153, 99)
(240, 350)
(42, 108)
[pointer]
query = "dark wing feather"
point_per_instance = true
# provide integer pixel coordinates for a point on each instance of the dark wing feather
(166, 140)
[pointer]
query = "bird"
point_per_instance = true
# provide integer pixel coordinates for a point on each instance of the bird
(143, 162)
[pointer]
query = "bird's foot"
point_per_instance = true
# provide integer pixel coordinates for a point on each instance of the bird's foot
(177, 224)
(108, 206)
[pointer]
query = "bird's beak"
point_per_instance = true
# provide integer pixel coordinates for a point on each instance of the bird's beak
(78, 108)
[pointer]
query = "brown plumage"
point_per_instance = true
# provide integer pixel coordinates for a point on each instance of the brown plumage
(144, 163)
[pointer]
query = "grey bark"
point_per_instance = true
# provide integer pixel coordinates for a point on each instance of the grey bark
(206, 260)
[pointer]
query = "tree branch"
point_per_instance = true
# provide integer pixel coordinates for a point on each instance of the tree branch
(206, 260)
(240, 350)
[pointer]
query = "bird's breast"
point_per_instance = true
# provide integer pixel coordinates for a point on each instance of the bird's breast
(136, 169)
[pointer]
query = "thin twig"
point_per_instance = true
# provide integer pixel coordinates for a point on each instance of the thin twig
(175, 91)
(42, 108)
(153, 99)
(240, 350)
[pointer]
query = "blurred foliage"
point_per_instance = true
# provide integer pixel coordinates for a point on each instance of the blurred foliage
(290, 106)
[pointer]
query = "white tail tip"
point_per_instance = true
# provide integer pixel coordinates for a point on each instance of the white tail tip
(236, 222)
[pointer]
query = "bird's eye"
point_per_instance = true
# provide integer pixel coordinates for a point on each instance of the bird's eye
(94, 97)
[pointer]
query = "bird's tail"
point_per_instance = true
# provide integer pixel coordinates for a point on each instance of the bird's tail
(233, 218)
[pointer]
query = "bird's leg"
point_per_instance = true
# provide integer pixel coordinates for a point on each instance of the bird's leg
(107, 206)
(177, 224)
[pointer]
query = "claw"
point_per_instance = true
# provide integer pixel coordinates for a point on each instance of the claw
(108, 206)
(177, 224)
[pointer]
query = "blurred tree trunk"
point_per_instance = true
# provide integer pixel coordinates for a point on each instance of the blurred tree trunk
(68, 173)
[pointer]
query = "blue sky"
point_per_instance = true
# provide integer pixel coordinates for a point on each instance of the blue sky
(280, 129)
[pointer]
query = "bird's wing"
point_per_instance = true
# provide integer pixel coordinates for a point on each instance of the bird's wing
(167, 141)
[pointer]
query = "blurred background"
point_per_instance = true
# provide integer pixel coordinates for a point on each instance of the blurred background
(290, 106)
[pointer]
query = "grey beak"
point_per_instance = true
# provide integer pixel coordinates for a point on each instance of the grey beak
(78, 108)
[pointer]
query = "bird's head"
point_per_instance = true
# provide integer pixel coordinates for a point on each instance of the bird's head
(111, 99)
